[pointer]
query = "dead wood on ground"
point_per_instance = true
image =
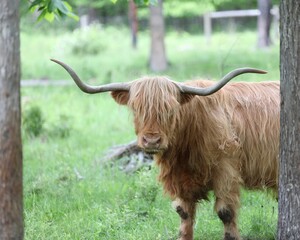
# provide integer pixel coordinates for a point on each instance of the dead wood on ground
(129, 157)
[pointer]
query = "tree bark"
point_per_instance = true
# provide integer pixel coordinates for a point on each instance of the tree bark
(11, 203)
(289, 178)
(158, 60)
(264, 23)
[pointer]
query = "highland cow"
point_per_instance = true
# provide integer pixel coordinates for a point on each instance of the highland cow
(204, 137)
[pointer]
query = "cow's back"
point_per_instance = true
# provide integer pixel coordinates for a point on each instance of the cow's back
(255, 114)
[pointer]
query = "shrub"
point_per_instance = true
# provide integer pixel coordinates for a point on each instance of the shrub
(62, 127)
(33, 121)
(85, 41)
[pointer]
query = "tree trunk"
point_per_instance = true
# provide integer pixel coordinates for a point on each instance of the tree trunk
(132, 15)
(11, 203)
(158, 60)
(89, 18)
(289, 179)
(92, 16)
(264, 23)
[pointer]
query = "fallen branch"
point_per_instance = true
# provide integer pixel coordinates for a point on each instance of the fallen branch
(129, 156)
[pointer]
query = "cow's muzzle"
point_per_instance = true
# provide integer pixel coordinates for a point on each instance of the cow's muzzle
(151, 143)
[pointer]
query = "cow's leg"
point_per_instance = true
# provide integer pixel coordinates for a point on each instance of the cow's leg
(186, 210)
(228, 214)
(227, 191)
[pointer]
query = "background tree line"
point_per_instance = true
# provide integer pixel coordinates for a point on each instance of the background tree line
(156, 17)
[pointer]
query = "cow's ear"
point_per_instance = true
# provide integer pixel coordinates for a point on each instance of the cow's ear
(121, 97)
(185, 98)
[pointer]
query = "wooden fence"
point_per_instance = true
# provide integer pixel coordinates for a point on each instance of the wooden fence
(207, 18)
(45, 83)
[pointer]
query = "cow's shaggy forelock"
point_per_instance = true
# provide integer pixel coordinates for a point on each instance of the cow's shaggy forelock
(154, 100)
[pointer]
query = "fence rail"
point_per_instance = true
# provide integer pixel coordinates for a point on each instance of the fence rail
(207, 18)
(42, 82)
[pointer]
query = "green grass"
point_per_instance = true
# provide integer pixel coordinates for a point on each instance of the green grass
(114, 60)
(107, 203)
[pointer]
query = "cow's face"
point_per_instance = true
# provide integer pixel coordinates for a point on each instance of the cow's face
(155, 103)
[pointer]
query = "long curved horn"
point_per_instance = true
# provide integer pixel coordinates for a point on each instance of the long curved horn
(93, 89)
(214, 88)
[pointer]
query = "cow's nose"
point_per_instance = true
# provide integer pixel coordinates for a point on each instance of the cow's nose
(151, 141)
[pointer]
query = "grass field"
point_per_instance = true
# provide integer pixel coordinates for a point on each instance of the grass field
(105, 54)
(78, 129)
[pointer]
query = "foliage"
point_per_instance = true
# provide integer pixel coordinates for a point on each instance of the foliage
(86, 41)
(102, 8)
(33, 121)
(237, 4)
(62, 127)
(234, 5)
(190, 56)
(186, 9)
(35, 124)
(182, 9)
(49, 9)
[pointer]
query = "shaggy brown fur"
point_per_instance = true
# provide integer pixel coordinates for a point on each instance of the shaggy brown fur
(219, 142)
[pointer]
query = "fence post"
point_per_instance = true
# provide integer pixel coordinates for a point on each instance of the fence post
(275, 13)
(207, 27)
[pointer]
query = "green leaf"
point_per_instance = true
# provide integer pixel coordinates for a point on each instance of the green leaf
(49, 16)
(74, 16)
(61, 7)
(60, 13)
(70, 13)
(35, 4)
(68, 6)
(41, 16)
(41, 8)
(48, 9)
(51, 6)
